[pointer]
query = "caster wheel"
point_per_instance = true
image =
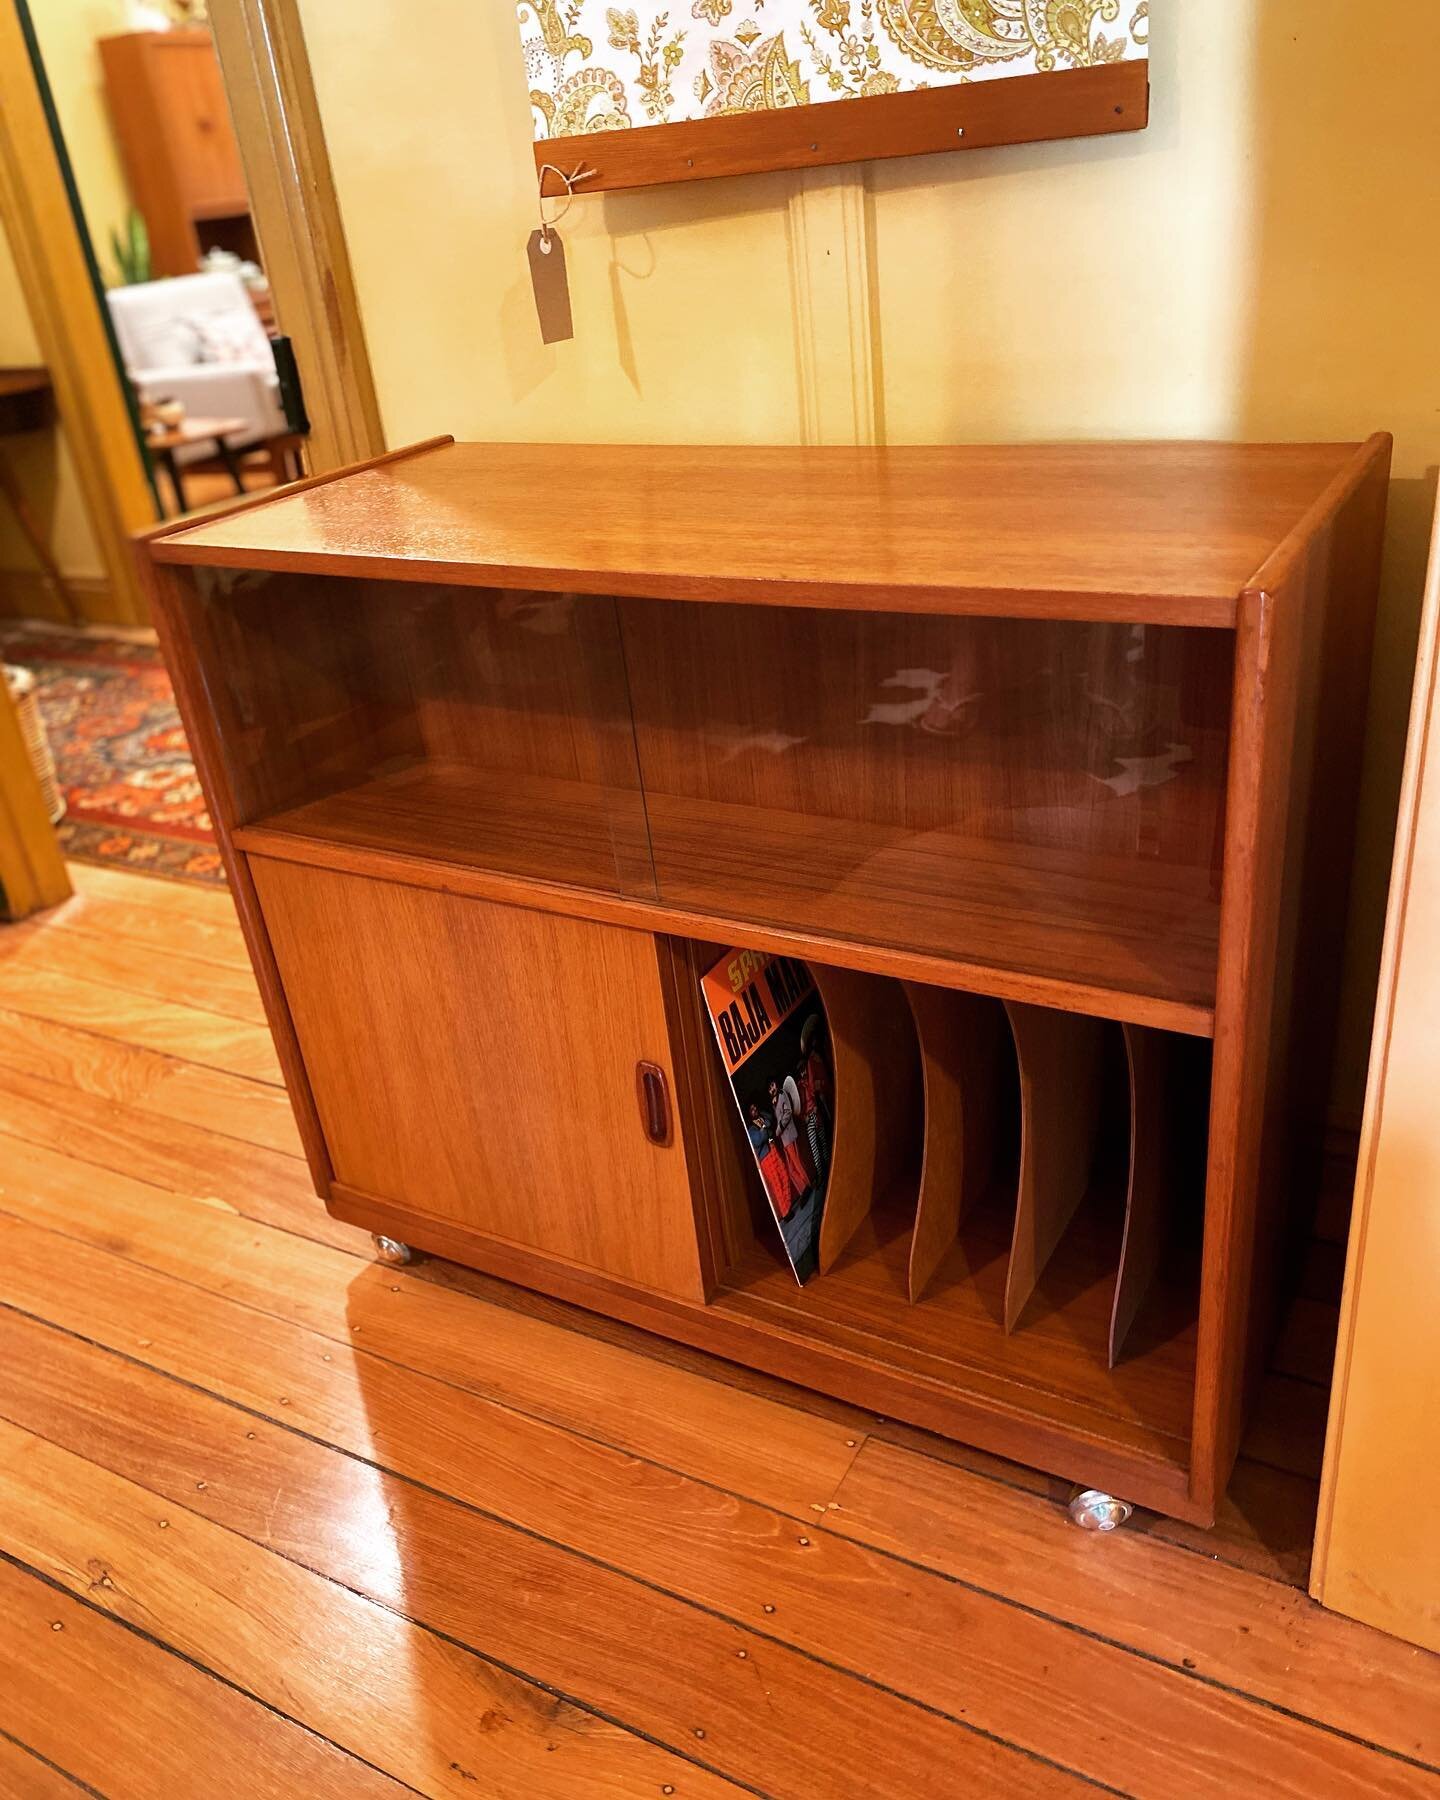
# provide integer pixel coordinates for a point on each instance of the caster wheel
(1093, 1510)
(392, 1252)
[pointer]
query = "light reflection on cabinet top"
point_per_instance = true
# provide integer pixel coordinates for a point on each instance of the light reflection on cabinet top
(1153, 532)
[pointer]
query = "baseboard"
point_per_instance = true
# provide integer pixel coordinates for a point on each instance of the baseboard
(27, 594)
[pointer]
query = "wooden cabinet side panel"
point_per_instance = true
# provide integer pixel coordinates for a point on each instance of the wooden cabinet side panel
(173, 606)
(1302, 662)
(478, 1063)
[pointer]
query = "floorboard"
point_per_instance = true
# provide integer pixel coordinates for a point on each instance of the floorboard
(57, 1653)
(162, 1087)
(107, 902)
(366, 1531)
(26, 1775)
(259, 1184)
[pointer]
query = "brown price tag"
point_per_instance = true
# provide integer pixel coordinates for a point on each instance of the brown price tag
(551, 285)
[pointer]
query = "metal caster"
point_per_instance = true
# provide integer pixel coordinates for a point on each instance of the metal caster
(1093, 1510)
(392, 1252)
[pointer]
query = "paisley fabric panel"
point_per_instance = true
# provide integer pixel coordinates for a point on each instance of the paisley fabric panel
(593, 66)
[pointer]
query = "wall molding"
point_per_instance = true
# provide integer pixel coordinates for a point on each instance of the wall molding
(837, 362)
(29, 594)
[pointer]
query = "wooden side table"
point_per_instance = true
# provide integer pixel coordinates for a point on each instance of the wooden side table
(164, 444)
(27, 403)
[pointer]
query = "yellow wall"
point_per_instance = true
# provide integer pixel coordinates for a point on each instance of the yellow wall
(67, 32)
(1262, 262)
(43, 468)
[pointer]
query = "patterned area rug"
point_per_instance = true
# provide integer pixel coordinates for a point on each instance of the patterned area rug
(132, 796)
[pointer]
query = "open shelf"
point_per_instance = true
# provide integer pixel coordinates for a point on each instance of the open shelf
(1142, 935)
(955, 1337)
(1001, 1283)
(1115, 923)
(540, 828)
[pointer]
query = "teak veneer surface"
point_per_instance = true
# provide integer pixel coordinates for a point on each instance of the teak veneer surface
(1136, 930)
(1155, 532)
(1055, 1367)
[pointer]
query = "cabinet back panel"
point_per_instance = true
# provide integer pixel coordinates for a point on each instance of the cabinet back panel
(1043, 794)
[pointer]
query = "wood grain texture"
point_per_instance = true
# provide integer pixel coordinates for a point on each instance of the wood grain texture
(57, 1654)
(1137, 999)
(849, 837)
(25, 1776)
(172, 128)
(458, 1572)
(1152, 533)
(1223, 1624)
(972, 116)
(345, 1666)
(877, 1102)
(964, 1041)
(106, 905)
(517, 1417)
(32, 869)
(831, 1598)
(443, 1069)
(1061, 1069)
(163, 1087)
(292, 197)
(733, 1439)
(113, 963)
(207, 1039)
(1157, 1194)
(958, 786)
(172, 605)
(864, 1353)
(1302, 667)
(540, 828)
(187, 1159)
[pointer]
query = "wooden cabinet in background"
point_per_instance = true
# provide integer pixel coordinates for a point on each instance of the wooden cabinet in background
(1043, 758)
(172, 123)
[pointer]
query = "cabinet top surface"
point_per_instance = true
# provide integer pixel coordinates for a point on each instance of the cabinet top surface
(1157, 531)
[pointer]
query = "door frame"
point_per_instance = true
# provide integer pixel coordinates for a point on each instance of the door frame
(293, 203)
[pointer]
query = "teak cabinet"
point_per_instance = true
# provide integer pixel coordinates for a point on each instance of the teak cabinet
(1044, 759)
(172, 125)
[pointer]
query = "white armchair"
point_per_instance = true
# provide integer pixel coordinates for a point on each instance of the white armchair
(197, 339)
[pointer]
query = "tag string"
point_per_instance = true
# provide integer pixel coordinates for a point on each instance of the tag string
(578, 174)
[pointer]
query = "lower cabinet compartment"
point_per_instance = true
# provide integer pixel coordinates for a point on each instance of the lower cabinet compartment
(1010, 1247)
(1024, 1264)
(499, 1070)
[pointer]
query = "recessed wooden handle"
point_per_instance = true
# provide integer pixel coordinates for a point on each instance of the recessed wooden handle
(654, 1093)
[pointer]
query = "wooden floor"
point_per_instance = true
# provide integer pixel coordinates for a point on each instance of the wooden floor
(277, 1521)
